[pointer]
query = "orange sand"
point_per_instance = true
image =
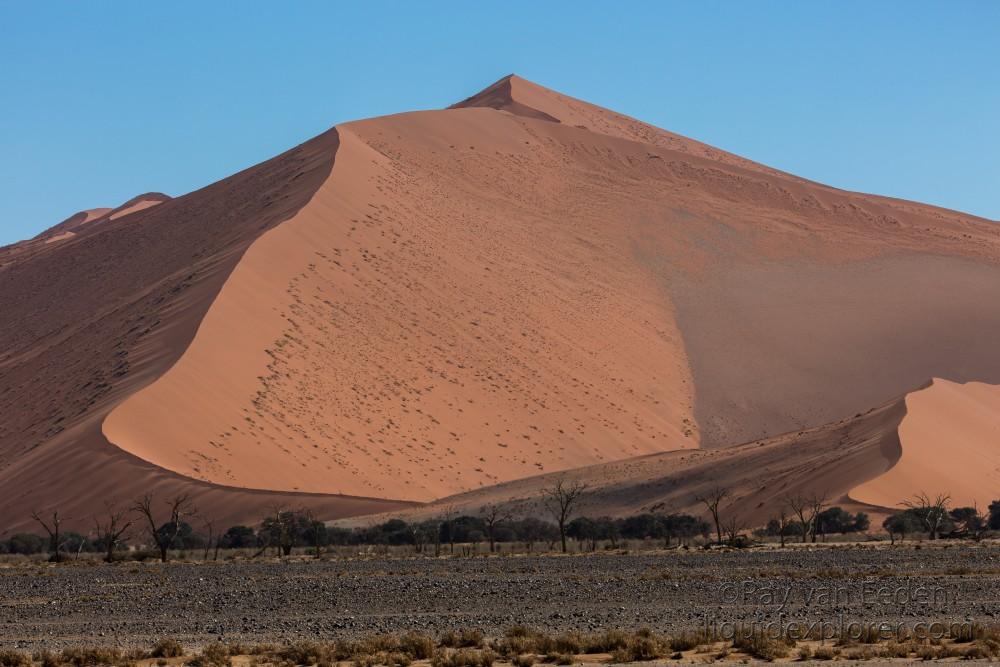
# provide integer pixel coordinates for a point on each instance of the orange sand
(951, 445)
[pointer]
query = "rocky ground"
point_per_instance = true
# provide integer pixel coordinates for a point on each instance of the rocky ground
(136, 603)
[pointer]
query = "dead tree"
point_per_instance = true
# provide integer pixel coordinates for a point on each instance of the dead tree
(783, 522)
(317, 532)
(209, 537)
(448, 518)
(559, 501)
(733, 527)
(932, 513)
(53, 527)
(817, 504)
(113, 530)
(493, 515)
(282, 530)
(713, 501)
(806, 509)
(163, 536)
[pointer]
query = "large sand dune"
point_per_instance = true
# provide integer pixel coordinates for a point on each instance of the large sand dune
(522, 284)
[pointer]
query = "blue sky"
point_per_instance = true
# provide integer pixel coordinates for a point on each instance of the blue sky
(100, 101)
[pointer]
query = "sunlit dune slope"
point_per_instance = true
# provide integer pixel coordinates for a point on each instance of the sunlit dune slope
(90, 321)
(950, 441)
(424, 326)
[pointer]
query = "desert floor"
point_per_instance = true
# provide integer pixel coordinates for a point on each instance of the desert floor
(134, 604)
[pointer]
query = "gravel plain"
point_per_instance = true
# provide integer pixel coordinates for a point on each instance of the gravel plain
(51, 606)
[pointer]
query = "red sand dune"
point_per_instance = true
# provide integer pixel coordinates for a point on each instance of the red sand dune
(432, 303)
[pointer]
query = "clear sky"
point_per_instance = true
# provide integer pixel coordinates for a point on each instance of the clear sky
(100, 101)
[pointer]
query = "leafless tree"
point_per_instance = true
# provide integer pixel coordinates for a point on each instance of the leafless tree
(932, 512)
(282, 529)
(817, 503)
(113, 530)
(447, 517)
(493, 515)
(53, 527)
(784, 522)
(434, 526)
(559, 501)
(733, 526)
(179, 507)
(712, 499)
(210, 537)
(806, 509)
(317, 532)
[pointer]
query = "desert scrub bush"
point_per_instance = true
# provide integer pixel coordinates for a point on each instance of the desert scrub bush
(758, 645)
(825, 653)
(562, 658)
(894, 649)
(237, 648)
(463, 657)
(605, 642)
(465, 638)
(9, 658)
(523, 660)
(167, 648)
(520, 639)
(213, 655)
(386, 658)
(46, 658)
(90, 656)
(687, 640)
(513, 646)
(568, 642)
(416, 645)
(981, 649)
(305, 653)
(136, 654)
(641, 647)
(645, 647)
(864, 652)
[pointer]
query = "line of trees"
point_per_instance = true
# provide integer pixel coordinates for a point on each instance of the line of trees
(174, 524)
(935, 517)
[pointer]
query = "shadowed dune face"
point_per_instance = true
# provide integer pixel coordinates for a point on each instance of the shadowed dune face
(950, 440)
(522, 284)
(788, 345)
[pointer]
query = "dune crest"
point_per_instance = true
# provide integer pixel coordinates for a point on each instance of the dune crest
(950, 440)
